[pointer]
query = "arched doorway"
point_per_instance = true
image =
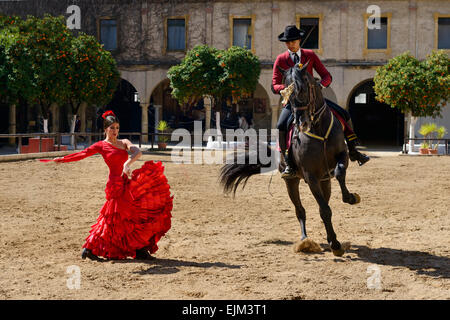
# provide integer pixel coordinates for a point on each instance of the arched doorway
(167, 108)
(255, 108)
(171, 109)
(124, 106)
(262, 112)
(375, 123)
(4, 119)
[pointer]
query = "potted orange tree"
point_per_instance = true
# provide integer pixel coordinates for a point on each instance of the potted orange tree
(419, 88)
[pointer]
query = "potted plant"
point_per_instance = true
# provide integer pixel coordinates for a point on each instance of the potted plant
(424, 146)
(440, 133)
(427, 130)
(163, 127)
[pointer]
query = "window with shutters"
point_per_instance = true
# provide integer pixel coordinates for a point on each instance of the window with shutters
(107, 33)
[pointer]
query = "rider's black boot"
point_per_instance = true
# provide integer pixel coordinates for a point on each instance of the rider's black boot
(289, 171)
(354, 154)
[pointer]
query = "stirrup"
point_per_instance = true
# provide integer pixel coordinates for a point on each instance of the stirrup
(362, 159)
(288, 172)
(359, 157)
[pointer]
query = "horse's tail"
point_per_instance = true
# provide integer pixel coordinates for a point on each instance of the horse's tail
(231, 175)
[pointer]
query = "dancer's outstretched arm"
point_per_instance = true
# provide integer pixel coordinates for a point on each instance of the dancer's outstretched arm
(77, 156)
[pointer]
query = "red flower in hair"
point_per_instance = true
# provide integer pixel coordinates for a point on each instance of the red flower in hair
(108, 113)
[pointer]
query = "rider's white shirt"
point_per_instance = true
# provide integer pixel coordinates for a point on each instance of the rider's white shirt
(299, 53)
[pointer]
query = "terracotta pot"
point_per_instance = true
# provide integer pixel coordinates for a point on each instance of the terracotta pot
(162, 145)
(423, 151)
(432, 151)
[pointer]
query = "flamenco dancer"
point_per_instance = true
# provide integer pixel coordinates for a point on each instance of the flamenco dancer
(137, 211)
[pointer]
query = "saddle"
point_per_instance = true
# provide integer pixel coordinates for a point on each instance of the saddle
(291, 128)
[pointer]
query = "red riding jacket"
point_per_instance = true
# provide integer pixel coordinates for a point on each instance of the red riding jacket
(285, 62)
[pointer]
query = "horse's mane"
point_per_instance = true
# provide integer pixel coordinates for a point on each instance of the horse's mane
(298, 77)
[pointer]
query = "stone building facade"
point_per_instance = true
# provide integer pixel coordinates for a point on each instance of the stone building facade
(342, 39)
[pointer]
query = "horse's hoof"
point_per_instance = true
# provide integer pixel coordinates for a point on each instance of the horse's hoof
(307, 246)
(357, 198)
(338, 253)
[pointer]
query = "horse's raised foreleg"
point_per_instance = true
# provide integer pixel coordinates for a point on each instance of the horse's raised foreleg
(321, 192)
(340, 172)
(294, 194)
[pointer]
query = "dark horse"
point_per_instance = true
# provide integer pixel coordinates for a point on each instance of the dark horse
(318, 151)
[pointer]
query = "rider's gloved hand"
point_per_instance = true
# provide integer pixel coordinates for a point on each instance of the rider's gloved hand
(320, 84)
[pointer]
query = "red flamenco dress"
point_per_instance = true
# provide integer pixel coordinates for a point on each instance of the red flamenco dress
(137, 211)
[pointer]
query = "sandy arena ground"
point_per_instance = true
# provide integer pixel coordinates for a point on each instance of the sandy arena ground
(220, 248)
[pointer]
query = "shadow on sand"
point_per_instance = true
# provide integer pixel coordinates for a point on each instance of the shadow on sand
(168, 266)
(422, 263)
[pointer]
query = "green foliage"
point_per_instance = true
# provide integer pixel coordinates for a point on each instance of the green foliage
(207, 71)
(242, 71)
(17, 73)
(197, 75)
(163, 126)
(93, 74)
(441, 132)
(9, 21)
(431, 131)
(419, 87)
(41, 61)
(49, 43)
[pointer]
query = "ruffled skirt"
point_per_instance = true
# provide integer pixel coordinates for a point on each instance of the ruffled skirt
(136, 215)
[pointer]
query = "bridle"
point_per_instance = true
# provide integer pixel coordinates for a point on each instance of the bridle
(313, 114)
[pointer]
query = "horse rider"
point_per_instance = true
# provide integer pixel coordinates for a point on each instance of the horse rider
(291, 37)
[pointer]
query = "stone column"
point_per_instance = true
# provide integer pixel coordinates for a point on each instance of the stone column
(158, 115)
(144, 122)
(207, 104)
(12, 123)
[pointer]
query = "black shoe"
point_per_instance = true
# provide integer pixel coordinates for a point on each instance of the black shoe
(354, 154)
(289, 171)
(358, 156)
(88, 253)
(142, 254)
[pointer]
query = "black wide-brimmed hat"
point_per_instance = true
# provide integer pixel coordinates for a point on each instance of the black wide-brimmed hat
(291, 33)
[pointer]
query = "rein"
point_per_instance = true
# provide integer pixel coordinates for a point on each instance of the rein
(324, 138)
